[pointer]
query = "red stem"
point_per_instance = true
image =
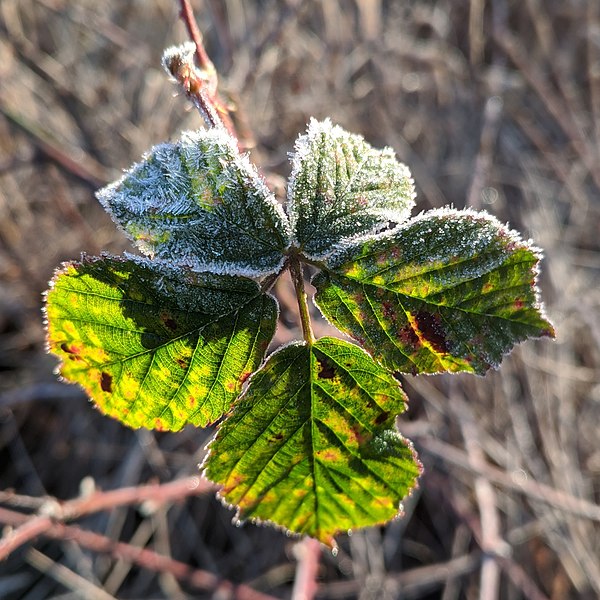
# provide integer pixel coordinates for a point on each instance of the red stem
(143, 557)
(55, 511)
(305, 584)
(202, 91)
(187, 15)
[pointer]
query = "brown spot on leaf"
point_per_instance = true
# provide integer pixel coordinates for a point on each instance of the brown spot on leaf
(359, 435)
(244, 376)
(106, 382)
(72, 349)
(169, 321)
(191, 401)
(431, 329)
(382, 418)
(388, 310)
(182, 363)
(230, 385)
(159, 425)
(408, 337)
(326, 369)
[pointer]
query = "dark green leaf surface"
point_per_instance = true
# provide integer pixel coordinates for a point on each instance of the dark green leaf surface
(201, 204)
(341, 187)
(155, 348)
(448, 291)
(312, 445)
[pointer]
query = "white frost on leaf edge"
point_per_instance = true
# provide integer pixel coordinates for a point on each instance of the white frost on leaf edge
(512, 235)
(219, 138)
(344, 250)
(302, 149)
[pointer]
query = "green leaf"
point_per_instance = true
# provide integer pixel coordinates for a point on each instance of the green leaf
(156, 348)
(341, 188)
(201, 204)
(312, 445)
(449, 291)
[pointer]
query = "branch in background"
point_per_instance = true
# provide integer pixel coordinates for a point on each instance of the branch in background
(142, 557)
(308, 553)
(53, 511)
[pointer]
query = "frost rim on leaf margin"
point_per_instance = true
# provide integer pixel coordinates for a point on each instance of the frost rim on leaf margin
(215, 212)
(391, 200)
(428, 274)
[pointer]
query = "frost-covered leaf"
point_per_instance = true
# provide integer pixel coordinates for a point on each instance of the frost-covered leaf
(201, 204)
(153, 347)
(312, 444)
(448, 291)
(341, 187)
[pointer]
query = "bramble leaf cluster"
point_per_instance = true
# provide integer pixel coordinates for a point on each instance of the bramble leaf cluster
(306, 437)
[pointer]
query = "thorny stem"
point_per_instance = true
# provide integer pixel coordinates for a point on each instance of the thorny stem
(187, 15)
(298, 279)
(200, 84)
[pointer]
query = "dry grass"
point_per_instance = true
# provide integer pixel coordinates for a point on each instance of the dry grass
(493, 104)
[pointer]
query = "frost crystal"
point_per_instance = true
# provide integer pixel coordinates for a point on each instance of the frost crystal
(341, 188)
(200, 204)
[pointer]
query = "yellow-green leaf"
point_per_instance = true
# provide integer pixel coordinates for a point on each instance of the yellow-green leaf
(448, 291)
(155, 348)
(312, 444)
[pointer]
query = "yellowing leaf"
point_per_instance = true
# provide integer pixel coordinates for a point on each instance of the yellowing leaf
(155, 348)
(448, 291)
(312, 445)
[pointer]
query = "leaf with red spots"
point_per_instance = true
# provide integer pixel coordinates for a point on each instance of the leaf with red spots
(312, 444)
(448, 291)
(154, 348)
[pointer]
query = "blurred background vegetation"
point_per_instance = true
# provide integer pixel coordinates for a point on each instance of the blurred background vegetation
(494, 104)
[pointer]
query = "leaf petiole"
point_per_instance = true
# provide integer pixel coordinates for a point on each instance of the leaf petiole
(296, 272)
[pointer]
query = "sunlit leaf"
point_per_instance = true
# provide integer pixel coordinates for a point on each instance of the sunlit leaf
(312, 445)
(341, 187)
(448, 291)
(201, 204)
(157, 348)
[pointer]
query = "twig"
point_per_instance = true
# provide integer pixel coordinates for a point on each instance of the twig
(30, 528)
(419, 579)
(305, 583)
(53, 510)
(514, 572)
(510, 45)
(68, 578)
(92, 173)
(537, 491)
(143, 557)
(491, 542)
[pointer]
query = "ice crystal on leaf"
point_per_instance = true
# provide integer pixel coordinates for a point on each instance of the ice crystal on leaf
(341, 187)
(308, 440)
(201, 204)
